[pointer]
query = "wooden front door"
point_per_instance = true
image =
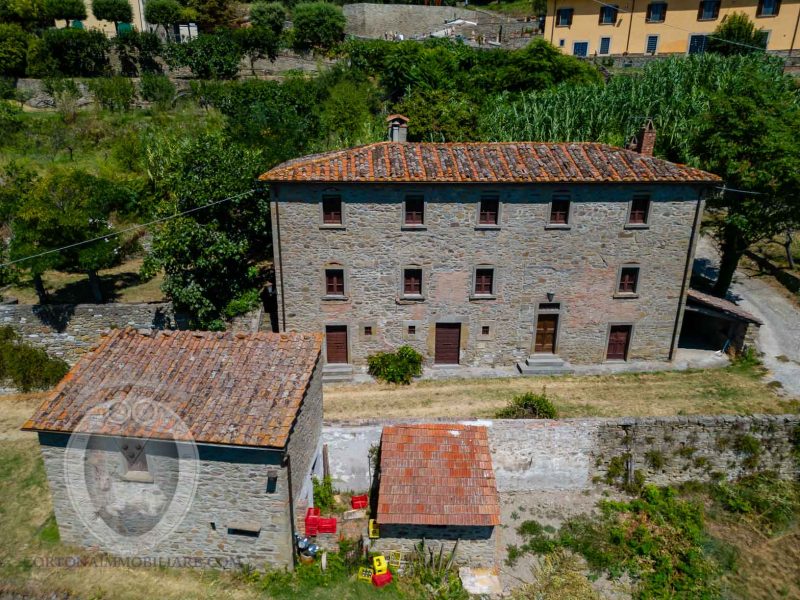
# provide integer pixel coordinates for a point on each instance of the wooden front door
(336, 343)
(448, 342)
(546, 331)
(619, 339)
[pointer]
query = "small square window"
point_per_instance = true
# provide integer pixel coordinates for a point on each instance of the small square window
(608, 14)
(414, 210)
(412, 330)
(334, 282)
(489, 210)
(708, 10)
(564, 17)
(484, 282)
(640, 210)
(484, 330)
(559, 210)
(332, 210)
(367, 330)
(412, 282)
(768, 8)
(656, 12)
(628, 280)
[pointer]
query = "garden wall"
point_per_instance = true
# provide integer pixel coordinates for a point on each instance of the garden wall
(578, 454)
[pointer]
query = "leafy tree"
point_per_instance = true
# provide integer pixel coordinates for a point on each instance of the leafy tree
(270, 15)
(76, 52)
(29, 14)
(138, 52)
(214, 257)
(439, 116)
(116, 11)
(212, 14)
(257, 43)
(737, 35)
(162, 12)
(63, 208)
(317, 26)
(748, 136)
(13, 50)
(68, 10)
(348, 114)
(157, 89)
(209, 56)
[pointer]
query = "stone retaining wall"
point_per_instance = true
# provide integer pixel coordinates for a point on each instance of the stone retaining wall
(579, 454)
(69, 330)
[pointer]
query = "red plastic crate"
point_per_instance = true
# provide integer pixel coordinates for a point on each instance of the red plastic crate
(358, 501)
(312, 521)
(382, 579)
(326, 525)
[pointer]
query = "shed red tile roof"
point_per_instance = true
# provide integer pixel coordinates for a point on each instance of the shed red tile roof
(437, 474)
(484, 162)
(722, 305)
(228, 388)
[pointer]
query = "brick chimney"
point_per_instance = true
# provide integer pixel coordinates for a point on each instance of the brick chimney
(398, 128)
(644, 142)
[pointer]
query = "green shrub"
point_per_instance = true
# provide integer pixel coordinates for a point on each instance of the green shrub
(28, 368)
(138, 52)
(77, 52)
(655, 459)
(396, 367)
(323, 494)
(10, 120)
(317, 26)
(764, 498)
(157, 89)
(243, 303)
(113, 93)
(528, 406)
(750, 448)
(215, 56)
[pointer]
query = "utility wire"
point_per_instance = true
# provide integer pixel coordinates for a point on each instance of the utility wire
(708, 35)
(123, 231)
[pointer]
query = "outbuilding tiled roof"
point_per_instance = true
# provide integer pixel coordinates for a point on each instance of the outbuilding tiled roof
(484, 162)
(437, 474)
(227, 388)
(722, 305)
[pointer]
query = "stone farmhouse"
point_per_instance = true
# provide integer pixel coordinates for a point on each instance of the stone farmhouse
(486, 254)
(187, 444)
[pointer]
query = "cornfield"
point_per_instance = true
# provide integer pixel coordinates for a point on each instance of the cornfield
(673, 92)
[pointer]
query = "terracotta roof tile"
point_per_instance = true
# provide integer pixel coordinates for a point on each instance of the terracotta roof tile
(722, 305)
(437, 474)
(488, 162)
(240, 389)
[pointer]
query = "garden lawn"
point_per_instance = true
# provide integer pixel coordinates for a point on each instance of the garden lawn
(733, 390)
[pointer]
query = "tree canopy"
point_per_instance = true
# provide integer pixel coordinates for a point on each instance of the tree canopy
(116, 11)
(65, 9)
(269, 15)
(737, 34)
(317, 26)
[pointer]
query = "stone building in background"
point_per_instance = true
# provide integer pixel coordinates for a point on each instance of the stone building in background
(185, 446)
(486, 254)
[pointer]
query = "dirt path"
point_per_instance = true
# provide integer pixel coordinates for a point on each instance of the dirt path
(779, 336)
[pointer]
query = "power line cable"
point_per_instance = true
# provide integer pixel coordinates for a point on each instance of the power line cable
(127, 230)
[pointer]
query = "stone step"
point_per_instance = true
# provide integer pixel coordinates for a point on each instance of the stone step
(337, 373)
(544, 360)
(526, 370)
(544, 364)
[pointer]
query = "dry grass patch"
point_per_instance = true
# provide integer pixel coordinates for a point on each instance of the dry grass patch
(714, 391)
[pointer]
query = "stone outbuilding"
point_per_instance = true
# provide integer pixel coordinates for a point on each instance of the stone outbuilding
(436, 482)
(185, 447)
(717, 323)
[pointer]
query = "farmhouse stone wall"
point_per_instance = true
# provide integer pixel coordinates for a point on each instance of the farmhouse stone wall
(576, 454)
(304, 441)
(69, 330)
(231, 490)
(374, 20)
(477, 545)
(579, 266)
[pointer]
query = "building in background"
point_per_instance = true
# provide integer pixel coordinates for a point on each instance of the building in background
(650, 27)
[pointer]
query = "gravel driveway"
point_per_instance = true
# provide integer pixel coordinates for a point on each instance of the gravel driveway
(779, 336)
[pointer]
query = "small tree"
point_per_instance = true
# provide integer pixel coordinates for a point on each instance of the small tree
(317, 26)
(737, 35)
(64, 208)
(137, 52)
(76, 52)
(116, 11)
(269, 15)
(162, 12)
(13, 50)
(257, 43)
(68, 10)
(211, 15)
(209, 56)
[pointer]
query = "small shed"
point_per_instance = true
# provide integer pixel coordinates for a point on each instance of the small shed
(186, 448)
(436, 482)
(717, 323)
